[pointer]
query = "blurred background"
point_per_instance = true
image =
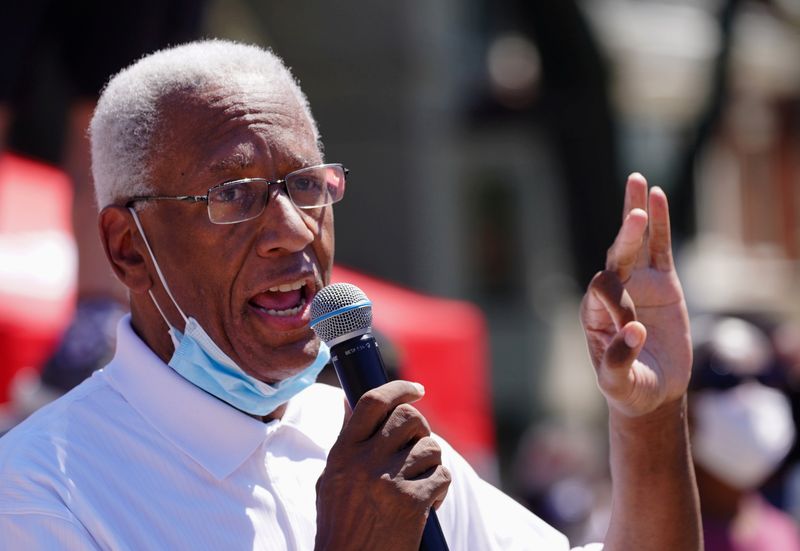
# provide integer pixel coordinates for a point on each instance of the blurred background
(488, 143)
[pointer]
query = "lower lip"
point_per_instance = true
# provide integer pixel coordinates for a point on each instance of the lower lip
(298, 320)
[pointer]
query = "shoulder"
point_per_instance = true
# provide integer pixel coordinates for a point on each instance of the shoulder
(52, 421)
(33, 455)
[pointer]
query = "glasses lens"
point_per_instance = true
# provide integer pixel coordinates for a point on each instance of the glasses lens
(237, 201)
(316, 186)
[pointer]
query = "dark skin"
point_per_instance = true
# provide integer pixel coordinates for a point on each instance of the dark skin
(401, 472)
(220, 274)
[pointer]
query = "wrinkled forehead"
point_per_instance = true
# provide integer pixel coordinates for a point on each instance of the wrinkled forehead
(202, 126)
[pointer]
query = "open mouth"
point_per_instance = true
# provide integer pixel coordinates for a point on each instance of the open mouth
(285, 300)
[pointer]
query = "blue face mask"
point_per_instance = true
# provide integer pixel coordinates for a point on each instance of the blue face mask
(200, 361)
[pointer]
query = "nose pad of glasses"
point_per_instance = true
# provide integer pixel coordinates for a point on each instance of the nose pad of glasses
(277, 189)
(284, 227)
(280, 188)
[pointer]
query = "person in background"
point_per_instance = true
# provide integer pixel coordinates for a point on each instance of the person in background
(742, 430)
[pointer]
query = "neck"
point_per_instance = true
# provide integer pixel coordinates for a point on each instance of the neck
(150, 327)
(275, 415)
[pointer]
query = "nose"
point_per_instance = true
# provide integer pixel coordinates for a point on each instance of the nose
(284, 228)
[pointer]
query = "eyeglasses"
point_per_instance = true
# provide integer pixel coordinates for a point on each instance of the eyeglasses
(245, 199)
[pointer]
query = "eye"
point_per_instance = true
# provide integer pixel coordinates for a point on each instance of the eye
(229, 194)
(307, 184)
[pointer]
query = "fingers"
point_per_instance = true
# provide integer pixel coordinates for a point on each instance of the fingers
(660, 242)
(405, 425)
(627, 248)
(607, 288)
(424, 456)
(440, 498)
(402, 432)
(440, 480)
(382, 475)
(635, 194)
(375, 407)
(424, 470)
(645, 221)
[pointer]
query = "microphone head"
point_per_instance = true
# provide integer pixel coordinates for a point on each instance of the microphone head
(339, 312)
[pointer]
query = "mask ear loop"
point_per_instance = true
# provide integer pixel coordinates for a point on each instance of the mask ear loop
(158, 271)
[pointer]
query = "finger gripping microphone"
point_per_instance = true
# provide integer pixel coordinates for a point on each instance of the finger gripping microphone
(341, 316)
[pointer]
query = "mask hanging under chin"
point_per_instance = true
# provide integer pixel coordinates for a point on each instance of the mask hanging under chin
(198, 359)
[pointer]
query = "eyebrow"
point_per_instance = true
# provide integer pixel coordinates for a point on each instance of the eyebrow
(242, 161)
(238, 161)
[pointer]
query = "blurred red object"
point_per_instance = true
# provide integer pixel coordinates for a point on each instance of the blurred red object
(442, 344)
(38, 264)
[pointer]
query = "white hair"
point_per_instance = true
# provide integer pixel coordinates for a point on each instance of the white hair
(128, 112)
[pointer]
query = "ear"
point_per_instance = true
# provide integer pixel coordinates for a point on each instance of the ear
(124, 252)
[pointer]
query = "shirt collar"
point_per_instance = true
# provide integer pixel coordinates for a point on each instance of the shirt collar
(317, 413)
(216, 435)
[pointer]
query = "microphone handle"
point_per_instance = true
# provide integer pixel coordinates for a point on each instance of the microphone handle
(360, 368)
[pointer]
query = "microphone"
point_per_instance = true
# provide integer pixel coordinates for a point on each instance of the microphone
(341, 316)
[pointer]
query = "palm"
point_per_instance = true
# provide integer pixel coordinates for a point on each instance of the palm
(639, 284)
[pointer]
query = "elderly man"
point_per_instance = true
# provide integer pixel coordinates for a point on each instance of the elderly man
(206, 431)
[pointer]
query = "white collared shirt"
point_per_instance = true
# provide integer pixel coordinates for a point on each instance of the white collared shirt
(137, 458)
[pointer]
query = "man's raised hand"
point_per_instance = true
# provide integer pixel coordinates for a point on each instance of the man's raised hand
(634, 313)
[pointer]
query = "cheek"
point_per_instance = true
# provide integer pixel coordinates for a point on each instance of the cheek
(322, 226)
(206, 259)
(201, 281)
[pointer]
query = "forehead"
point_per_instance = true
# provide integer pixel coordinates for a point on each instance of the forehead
(220, 131)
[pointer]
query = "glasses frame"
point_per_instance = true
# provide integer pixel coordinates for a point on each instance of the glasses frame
(204, 198)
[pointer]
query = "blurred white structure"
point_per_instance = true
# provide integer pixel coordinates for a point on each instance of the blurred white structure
(748, 177)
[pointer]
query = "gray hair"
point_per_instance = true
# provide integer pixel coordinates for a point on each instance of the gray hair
(127, 116)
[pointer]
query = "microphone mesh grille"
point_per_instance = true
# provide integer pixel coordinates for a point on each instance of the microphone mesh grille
(335, 297)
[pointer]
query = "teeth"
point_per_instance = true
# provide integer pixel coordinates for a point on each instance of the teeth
(286, 313)
(286, 287)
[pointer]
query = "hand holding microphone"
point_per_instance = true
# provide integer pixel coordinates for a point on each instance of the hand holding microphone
(384, 474)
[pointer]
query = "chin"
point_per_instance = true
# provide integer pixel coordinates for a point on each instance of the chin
(274, 365)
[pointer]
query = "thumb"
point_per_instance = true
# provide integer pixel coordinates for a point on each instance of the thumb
(623, 349)
(625, 346)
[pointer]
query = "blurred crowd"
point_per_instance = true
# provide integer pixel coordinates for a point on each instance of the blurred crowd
(744, 401)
